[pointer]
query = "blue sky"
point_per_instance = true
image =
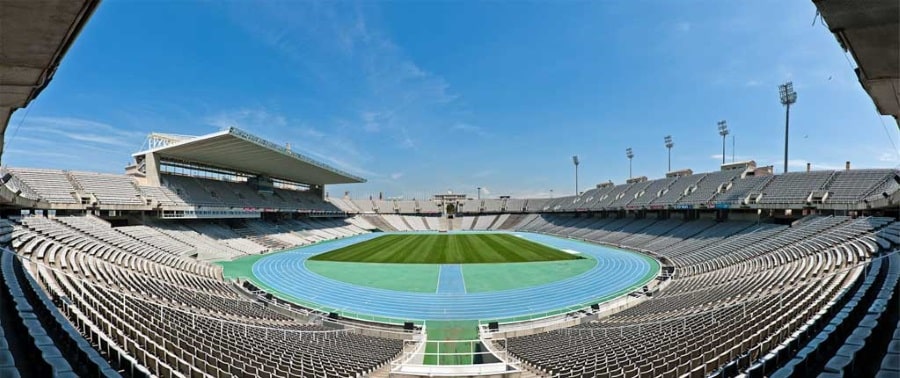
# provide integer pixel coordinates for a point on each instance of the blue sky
(421, 97)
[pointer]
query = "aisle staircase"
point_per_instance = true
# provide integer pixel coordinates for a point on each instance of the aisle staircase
(444, 223)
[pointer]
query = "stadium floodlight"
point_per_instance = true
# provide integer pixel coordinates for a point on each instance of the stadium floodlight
(576, 162)
(630, 154)
(669, 145)
(788, 97)
(723, 131)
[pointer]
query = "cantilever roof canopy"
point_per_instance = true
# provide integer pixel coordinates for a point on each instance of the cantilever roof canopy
(239, 151)
(870, 31)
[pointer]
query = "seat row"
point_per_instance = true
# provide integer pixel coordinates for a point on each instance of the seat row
(739, 291)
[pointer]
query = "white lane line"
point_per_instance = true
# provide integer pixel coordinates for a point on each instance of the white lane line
(438, 288)
(462, 276)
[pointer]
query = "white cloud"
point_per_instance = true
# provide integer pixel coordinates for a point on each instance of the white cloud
(329, 158)
(343, 46)
(728, 157)
(330, 148)
(889, 157)
(396, 175)
(310, 132)
(483, 173)
(248, 119)
(71, 143)
(405, 140)
(373, 121)
(43, 153)
(801, 164)
(534, 193)
(80, 130)
(468, 128)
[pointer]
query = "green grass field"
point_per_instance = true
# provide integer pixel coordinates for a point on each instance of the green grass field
(446, 249)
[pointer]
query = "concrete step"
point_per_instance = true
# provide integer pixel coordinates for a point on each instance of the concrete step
(530, 374)
(383, 372)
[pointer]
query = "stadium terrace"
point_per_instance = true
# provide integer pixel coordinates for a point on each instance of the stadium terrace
(222, 256)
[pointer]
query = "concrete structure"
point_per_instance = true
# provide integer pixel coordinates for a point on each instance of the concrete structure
(238, 151)
(870, 31)
(34, 37)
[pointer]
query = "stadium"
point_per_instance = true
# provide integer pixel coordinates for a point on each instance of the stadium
(221, 255)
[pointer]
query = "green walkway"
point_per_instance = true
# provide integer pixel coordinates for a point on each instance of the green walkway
(423, 278)
(493, 277)
(240, 268)
(418, 278)
(447, 331)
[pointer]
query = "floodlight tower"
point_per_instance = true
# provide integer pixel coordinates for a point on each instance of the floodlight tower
(479, 192)
(788, 97)
(629, 153)
(576, 162)
(669, 145)
(723, 131)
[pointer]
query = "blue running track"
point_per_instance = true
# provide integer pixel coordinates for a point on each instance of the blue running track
(616, 273)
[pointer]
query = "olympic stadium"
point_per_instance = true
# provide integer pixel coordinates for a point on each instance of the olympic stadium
(221, 255)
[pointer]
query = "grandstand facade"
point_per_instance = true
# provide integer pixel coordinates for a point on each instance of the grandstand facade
(760, 274)
(114, 275)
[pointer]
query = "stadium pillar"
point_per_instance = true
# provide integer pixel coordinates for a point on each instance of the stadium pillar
(723, 150)
(788, 96)
(576, 179)
(576, 162)
(669, 145)
(787, 125)
(151, 169)
(629, 153)
(723, 131)
(318, 190)
(670, 160)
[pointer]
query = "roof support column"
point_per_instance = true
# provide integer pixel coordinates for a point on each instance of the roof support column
(151, 169)
(318, 191)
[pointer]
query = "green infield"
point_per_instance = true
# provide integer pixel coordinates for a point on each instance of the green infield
(446, 249)
(417, 278)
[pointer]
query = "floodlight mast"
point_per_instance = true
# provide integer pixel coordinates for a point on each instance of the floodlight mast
(669, 145)
(723, 131)
(788, 96)
(479, 193)
(576, 162)
(629, 153)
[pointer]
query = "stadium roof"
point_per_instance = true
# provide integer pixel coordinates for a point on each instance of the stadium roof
(34, 36)
(239, 151)
(870, 31)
